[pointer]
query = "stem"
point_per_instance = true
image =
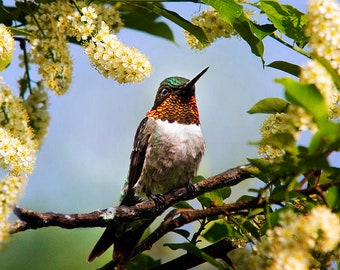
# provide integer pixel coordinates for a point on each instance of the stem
(77, 7)
(274, 36)
(27, 73)
(199, 231)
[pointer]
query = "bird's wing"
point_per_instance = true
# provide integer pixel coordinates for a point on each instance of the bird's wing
(136, 165)
(137, 161)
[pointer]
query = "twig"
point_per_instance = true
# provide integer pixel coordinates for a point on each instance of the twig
(180, 217)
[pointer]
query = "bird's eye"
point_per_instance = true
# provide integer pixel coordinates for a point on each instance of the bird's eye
(164, 92)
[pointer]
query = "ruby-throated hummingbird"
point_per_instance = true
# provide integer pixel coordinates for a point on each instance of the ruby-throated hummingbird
(167, 150)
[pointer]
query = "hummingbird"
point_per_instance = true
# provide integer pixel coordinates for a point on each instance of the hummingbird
(167, 149)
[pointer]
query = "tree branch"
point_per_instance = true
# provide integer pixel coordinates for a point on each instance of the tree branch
(29, 219)
(179, 217)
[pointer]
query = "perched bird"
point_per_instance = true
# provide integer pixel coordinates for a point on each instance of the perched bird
(167, 150)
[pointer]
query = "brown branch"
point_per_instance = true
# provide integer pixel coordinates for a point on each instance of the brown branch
(29, 219)
(179, 217)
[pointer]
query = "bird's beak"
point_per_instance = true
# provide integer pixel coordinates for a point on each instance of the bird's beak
(192, 82)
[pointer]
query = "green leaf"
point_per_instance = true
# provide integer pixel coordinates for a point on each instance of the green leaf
(269, 105)
(246, 198)
(326, 139)
(180, 21)
(19, 32)
(218, 230)
(141, 19)
(198, 178)
(272, 219)
(279, 192)
(329, 68)
(182, 232)
(242, 26)
(282, 141)
(306, 96)
(247, 225)
(225, 192)
(214, 198)
(261, 31)
(287, 19)
(232, 13)
(142, 262)
(228, 9)
(286, 67)
(182, 204)
(261, 163)
(88, 2)
(255, 212)
(191, 248)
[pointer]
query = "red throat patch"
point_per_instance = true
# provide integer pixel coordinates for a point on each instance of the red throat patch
(182, 110)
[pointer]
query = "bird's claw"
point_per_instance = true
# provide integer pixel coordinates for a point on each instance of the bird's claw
(191, 189)
(158, 199)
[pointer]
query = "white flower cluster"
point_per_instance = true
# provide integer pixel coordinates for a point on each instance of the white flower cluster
(300, 242)
(293, 121)
(17, 153)
(95, 26)
(212, 25)
(6, 46)
(36, 106)
(324, 31)
(113, 59)
(84, 24)
(49, 44)
(11, 187)
(17, 148)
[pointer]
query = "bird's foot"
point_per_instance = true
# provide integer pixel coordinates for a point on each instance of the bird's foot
(191, 189)
(158, 199)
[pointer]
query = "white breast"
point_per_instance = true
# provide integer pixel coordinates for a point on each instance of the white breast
(185, 140)
(172, 157)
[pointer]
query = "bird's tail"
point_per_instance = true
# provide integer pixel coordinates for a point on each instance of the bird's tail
(124, 237)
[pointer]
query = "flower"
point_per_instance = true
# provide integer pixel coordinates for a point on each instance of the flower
(213, 26)
(36, 106)
(314, 73)
(299, 242)
(324, 31)
(49, 44)
(113, 59)
(328, 229)
(58, 21)
(17, 147)
(293, 121)
(17, 153)
(11, 188)
(6, 47)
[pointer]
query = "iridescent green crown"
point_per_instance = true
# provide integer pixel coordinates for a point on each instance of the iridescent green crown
(174, 81)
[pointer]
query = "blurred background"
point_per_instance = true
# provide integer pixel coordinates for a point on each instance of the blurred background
(84, 159)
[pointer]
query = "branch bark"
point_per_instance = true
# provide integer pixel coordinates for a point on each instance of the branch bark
(29, 219)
